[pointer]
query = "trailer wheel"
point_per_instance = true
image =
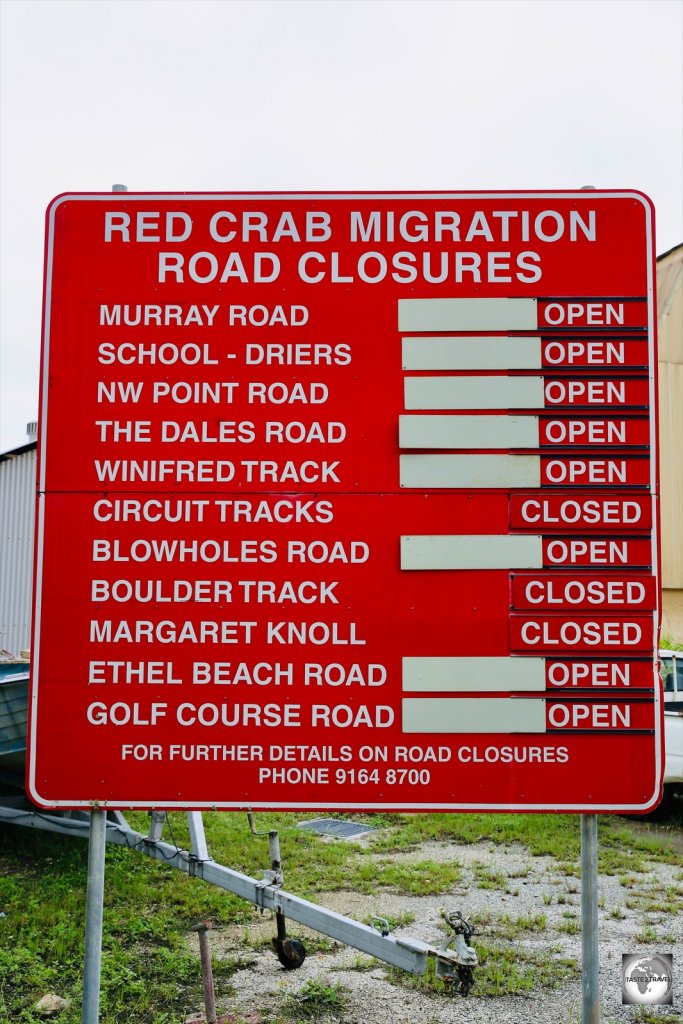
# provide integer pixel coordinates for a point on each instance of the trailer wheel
(290, 952)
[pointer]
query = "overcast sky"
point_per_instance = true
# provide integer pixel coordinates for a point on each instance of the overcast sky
(321, 95)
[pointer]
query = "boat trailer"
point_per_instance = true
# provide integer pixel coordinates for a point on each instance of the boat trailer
(455, 959)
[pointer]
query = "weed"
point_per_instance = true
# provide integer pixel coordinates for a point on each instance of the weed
(320, 944)
(646, 1015)
(647, 936)
(503, 969)
(510, 927)
(569, 927)
(646, 902)
(509, 970)
(504, 926)
(479, 920)
(656, 899)
(238, 962)
(521, 872)
(566, 868)
(317, 997)
(628, 881)
(428, 982)
(400, 920)
(363, 963)
(611, 862)
(419, 878)
(150, 974)
(558, 835)
(655, 845)
(553, 835)
(617, 912)
(547, 899)
(487, 878)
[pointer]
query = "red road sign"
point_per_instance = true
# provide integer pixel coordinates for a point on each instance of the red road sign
(348, 501)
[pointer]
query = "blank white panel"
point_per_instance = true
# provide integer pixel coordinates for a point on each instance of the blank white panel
(476, 353)
(473, 714)
(468, 431)
(467, 315)
(454, 675)
(436, 471)
(480, 551)
(474, 392)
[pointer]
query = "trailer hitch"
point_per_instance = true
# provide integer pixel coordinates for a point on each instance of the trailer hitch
(458, 967)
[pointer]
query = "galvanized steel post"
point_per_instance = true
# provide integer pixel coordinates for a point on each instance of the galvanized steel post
(590, 963)
(93, 917)
(94, 904)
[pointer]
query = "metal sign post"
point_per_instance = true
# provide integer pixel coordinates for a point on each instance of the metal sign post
(93, 917)
(94, 907)
(590, 962)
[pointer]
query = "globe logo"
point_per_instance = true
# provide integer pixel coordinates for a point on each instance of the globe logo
(648, 980)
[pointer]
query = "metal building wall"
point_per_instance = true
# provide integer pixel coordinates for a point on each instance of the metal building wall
(671, 472)
(670, 303)
(670, 331)
(17, 511)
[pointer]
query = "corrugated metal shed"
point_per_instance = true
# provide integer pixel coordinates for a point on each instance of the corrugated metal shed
(670, 305)
(671, 470)
(17, 510)
(670, 330)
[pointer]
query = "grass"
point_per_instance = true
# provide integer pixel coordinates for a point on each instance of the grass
(486, 878)
(559, 834)
(569, 926)
(400, 920)
(421, 878)
(150, 971)
(361, 964)
(552, 835)
(654, 899)
(647, 936)
(146, 962)
(504, 926)
(316, 1000)
(503, 970)
(569, 870)
(646, 1015)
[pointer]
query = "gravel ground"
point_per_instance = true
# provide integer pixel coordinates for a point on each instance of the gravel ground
(262, 986)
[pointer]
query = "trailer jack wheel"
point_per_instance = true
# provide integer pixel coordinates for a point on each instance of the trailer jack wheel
(290, 952)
